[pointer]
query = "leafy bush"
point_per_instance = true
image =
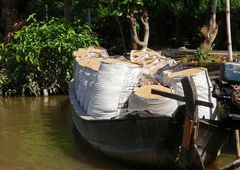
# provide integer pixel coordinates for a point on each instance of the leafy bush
(40, 56)
(7, 77)
(202, 55)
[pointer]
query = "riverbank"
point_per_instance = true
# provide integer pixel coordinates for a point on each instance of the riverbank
(191, 58)
(182, 52)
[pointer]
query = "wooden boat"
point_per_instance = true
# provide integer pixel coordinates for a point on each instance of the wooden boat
(150, 141)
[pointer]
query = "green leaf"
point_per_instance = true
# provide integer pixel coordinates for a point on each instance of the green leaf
(32, 18)
(126, 1)
(139, 2)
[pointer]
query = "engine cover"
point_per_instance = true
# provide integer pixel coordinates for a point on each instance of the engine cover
(230, 72)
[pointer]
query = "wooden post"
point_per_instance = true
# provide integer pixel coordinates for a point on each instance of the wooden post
(190, 94)
(191, 123)
(191, 111)
(228, 22)
(187, 133)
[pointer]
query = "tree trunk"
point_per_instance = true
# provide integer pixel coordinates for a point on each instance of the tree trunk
(209, 31)
(228, 22)
(46, 12)
(136, 43)
(67, 10)
(10, 15)
(177, 30)
(89, 16)
(122, 36)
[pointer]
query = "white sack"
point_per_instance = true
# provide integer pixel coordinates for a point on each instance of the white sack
(84, 75)
(75, 73)
(162, 74)
(113, 85)
(91, 51)
(158, 107)
(161, 64)
(87, 68)
(204, 92)
(90, 83)
(139, 56)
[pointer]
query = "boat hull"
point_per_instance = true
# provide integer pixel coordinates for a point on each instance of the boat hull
(145, 141)
(150, 141)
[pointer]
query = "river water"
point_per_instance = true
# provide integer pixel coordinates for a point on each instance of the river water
(37, 133)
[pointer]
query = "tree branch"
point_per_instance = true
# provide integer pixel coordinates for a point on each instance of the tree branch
(145, 19)
(134, 30)
(134, 33)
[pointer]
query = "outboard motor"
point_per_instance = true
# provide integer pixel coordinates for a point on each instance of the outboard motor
(227, 89)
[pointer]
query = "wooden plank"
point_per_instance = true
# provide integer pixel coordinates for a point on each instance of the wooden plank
(190, 94)
(191, 111)
(187, 133)
(180, 98)
(196, 128)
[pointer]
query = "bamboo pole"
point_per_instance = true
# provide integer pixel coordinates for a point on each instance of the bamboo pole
(232, 165)
(229, 30)
(237, 143)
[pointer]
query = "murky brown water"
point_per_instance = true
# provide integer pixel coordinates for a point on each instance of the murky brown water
(38, 134)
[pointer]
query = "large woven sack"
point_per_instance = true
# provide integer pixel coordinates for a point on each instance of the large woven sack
(138, 56)
(87, 68)
(203, 87)
(75, 73)
(111, 89)
(90, 83)
(84, 77)
(90, 51)
(162, 63)
(147, 58)
(157, 105)
(162, 74)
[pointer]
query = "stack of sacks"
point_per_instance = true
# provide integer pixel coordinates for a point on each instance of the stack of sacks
(91, 51)
(203, 88)
(103, 85)
(161, 74)
(113, 84)
(144, 56)
(147, 80)
(151, 60)
(157, 105)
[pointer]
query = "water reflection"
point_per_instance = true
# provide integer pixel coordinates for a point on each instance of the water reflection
(38, 133)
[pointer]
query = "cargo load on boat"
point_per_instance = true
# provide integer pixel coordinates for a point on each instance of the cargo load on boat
(109, 86)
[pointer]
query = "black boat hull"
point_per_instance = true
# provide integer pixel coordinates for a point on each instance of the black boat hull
(150, 141)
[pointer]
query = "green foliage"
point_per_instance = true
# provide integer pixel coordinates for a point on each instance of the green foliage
(202, 55)
(6, 78)
(234, 4)
(41, 54)
(120, 7)
(3, 82)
